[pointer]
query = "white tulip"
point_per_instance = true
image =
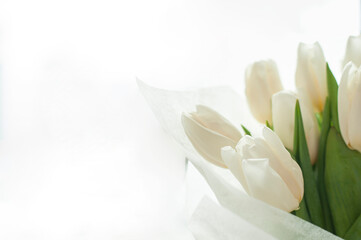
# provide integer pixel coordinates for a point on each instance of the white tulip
(266, 170)
(349, 106)
(353, 51)
(208, 132)
(311, 74)
(262, 81)
(283, 113)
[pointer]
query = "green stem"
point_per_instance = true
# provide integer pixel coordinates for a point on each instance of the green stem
(321, 162)
(303, 211)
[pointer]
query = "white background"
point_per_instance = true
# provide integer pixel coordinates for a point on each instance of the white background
(81, 155)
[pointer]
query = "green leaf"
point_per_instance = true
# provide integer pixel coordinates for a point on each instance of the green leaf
(332, 94)
(295, 139)
(311, 195)
(246, 131)
(343, 182)
(355, 231)
(302, 212)
(321, 166)
(269, 125)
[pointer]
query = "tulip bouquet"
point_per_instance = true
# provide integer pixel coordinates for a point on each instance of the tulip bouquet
(301, 172)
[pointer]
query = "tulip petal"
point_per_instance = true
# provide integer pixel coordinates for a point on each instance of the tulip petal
(279, 158)
(319, 62)
(283, 108)
(289, 170)
(265, 184)
(243, 146)
(354, 121)
(216, 122)
(207, 142)
(343, 101)
(262, 80)
(353, 51)
(311, 73)
(273, 80)
(256, 90)
(233, 161)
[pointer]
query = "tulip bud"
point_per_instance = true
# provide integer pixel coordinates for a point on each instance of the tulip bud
(353, 51)
(208, 132)
(266, 170)
(262, 81)
(311, 74)
(349, 106)
(283, 113)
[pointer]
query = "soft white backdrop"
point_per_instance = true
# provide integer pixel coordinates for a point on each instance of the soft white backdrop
(81, 155)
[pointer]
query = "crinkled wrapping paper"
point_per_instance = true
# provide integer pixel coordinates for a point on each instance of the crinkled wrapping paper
(251, 216)
(220, 223)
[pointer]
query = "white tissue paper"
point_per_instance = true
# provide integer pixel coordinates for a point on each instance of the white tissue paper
(214, 225)
(250, 217)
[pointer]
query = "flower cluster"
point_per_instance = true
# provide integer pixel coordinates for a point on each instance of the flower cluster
(307, 160)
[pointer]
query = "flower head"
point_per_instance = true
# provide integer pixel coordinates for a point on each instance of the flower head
(353, 51)
(208, 132)
(266, 170)
(262, 81)
(311, 74)
(349, 106)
